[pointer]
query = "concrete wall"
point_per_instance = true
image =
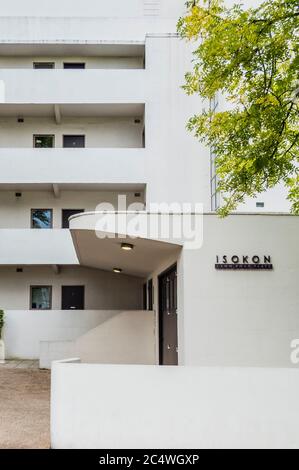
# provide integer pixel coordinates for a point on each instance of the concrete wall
(273, 199)
(240, 318)
(91, 20)
(105, 132)
(15, 212)
(25, 329)
(128, 338)
(148, 407)
(103, 290)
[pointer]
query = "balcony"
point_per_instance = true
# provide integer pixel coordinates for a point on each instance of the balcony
(74, 166)
(60, 86)
(36, 247)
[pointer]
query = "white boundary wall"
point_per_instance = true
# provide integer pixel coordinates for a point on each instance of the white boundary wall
(106, 407)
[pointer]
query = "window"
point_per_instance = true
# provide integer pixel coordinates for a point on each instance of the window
(41, 218)
(66, 213)
(74, 141)
(41, 297)
(260, 204)
(74, 65)
(43, 65)
(43, 141)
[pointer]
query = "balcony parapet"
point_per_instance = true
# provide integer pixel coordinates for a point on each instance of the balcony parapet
(60, 165)
(36, 247)
(72, 86)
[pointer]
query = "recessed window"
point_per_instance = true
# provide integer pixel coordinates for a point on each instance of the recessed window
(74, 141)
(66, 213)
(41, 297)
(74, 65)
(43, 141)
(43, 65)
(41, 218)
(260, 204)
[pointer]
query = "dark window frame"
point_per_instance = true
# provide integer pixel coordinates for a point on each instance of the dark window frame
(74, 63)
(45, 63)
(40, 209)
(50, 297)
(74, 135)
(43, 135)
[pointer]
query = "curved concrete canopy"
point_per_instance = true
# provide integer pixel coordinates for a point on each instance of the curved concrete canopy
(102, 249)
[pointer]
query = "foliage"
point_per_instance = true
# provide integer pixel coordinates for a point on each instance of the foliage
(1, 321)
(250, 57)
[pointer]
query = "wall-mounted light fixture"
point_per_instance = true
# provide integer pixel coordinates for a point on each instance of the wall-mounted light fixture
(127, 246)
(117, 270)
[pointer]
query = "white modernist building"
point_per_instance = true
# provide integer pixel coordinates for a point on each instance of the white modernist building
(93, 118)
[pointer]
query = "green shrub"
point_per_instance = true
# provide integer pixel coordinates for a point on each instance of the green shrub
(1, 321)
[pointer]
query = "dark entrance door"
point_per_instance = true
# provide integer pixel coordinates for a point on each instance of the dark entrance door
(168, 329)
(72, 298)
(66, 213)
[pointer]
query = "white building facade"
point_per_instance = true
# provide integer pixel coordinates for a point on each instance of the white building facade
(93, 118)
(92, 112)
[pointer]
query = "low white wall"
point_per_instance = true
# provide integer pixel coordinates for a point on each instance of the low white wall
(24, 329)
(127, 338)
(125, 407)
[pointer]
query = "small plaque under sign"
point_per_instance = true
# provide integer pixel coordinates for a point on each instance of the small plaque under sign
(244, 266)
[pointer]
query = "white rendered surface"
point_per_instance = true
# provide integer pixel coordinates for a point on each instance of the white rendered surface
(150, 407)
